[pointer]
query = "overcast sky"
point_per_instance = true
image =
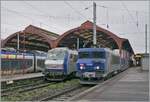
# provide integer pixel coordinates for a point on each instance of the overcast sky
(60, 16)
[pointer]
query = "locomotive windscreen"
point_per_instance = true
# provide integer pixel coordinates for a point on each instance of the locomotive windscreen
(56, 54)
(94, 54)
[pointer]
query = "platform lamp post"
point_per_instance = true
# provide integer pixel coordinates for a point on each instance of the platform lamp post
(78, 42)
(18, 38)
(24, 62)
(145, 38)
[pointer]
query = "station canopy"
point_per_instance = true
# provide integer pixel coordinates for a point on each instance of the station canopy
(35, 38)
(82, 36)
(32, 38)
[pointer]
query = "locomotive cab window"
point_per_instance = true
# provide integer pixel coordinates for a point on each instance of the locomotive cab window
(56, 54)
(84, 55)
(97, 54)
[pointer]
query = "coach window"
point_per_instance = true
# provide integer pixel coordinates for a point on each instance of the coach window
(4, 64)
(30, 62)
(13, 64)
(10, 64)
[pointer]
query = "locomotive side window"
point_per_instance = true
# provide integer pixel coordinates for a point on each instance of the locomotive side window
(40, 63)
(29, 63)
(115, 59)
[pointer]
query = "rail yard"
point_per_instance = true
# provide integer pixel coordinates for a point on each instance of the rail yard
(80, 55)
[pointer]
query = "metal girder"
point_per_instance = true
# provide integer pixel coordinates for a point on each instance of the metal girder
(29, 43)
(32, 36)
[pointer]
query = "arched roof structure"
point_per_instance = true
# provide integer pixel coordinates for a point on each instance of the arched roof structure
(32, 38)
(84, 34)
(35, 38)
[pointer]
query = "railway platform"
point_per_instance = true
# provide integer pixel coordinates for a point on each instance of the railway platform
(130, 85)
(20, 76)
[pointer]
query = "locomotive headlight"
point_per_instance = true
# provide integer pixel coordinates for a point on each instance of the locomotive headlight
(97, 67)
(81, 66)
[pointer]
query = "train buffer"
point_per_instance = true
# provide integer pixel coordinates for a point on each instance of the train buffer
(11, 78)
(130, 85)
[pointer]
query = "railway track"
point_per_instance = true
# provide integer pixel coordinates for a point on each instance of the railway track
(25, 88)
(65, 94)
(59, 93)
(8, 89)
(20, 86)
(20, 82)
(42, 91)
(39, 92)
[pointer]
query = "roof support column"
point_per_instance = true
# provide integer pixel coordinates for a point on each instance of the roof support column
(94, 25)
(18, 41)
(120, 47)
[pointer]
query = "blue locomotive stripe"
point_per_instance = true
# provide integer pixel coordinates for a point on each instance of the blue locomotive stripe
(66, 63)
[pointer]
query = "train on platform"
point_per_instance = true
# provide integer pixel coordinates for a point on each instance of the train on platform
(96, 64)
(19, 62)
(60, 64)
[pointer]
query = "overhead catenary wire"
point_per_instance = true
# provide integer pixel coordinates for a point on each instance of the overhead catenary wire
(46, 16)
(137, 23)
(120, 9)
(129, 12)
(53, 17)
(126, 9)
(59, 17)
(78, 12)
(133, 19)
(33, 7)
(107, 15)
(38, 10)
(27, 17)
(87, 7)
(15, 12)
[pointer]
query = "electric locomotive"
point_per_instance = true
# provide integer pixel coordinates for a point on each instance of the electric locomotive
(60, 64)
(95, 64)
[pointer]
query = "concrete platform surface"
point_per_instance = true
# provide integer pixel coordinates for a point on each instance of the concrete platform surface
(20, 76)
(133, 85)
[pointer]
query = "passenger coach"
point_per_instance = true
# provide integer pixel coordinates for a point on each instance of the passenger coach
(13, 62)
